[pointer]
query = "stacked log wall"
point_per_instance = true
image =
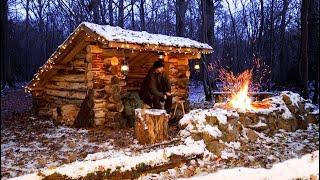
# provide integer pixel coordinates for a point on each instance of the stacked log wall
(95, 68)
(67, 88)
(105, 78)
(177, 69)
(136, 76)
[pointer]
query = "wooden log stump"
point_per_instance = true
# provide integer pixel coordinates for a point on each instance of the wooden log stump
(151, 125)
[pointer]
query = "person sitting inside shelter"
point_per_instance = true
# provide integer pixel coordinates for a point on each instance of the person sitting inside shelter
(156, 88)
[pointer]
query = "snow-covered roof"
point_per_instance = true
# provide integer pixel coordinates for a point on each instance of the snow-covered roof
(106, 33)
(117, 34)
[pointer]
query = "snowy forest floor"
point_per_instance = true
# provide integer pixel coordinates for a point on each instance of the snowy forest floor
(29, 143)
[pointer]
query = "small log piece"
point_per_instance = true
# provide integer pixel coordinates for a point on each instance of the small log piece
(151, 125)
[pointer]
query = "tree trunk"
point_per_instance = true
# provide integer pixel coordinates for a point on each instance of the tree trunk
(207, 30)
(132, 15)
(142, 17)
(27, 52)
(304, 46)
(261, 27)
(110, 12)
(181, 8)
(121, 14)
(313, 44)
(272, 64)
(234, 59)
(282, 56)
(206, 81)
(95, 7)
(6, 75)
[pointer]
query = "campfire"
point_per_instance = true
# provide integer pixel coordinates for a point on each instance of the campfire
(242, 117)
(239, 87)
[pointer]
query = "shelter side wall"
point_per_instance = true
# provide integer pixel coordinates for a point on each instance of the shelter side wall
(64, 93)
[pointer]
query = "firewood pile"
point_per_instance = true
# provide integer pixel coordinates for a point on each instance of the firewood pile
(216, 126)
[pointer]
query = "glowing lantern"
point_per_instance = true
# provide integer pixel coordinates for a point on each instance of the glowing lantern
(161, 55)
(125, 67)
(197, 67)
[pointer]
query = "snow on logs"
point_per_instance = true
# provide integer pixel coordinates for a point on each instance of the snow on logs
(151, 125)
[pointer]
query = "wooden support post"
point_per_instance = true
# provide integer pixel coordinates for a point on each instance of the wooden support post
(151, 125)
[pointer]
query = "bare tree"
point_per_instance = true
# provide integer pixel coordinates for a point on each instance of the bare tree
(120, 13)
(304, 46)
(261, 26)
(272, 38)
(142, 16)
(235, 37)
(207, 30)
(6, 75)
(282, 56)
(110, 9)
(313, 45)
(132, 15)
(181, 8)
(94, 5)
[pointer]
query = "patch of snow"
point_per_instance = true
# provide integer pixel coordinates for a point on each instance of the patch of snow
(234, 145)
(101, 155)
(213, 131)
(303, 168)
(259, 124)
(123, 163)
(32, 176)
(199, 115)
(225, 154)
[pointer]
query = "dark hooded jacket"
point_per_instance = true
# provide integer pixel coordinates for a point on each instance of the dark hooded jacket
(154, 84)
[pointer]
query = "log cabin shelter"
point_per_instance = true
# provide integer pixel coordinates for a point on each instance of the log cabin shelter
(97, 57)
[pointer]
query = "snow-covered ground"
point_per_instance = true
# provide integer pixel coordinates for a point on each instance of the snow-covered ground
(265, 153)
(29, 144)
(306, 167)
(197, 96)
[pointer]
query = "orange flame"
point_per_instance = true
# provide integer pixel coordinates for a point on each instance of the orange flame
(241, 100)
(239, 85)
(239, 95)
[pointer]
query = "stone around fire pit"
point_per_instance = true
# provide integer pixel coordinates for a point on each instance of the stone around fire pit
(218, 126)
